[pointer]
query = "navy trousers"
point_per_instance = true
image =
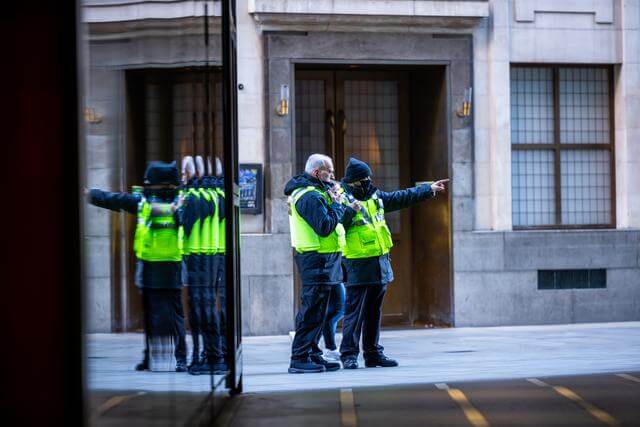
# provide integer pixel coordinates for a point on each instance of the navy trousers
(335, 312)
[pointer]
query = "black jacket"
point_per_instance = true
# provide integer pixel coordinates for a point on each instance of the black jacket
(165, 274)
(323, 217)
(377, 270)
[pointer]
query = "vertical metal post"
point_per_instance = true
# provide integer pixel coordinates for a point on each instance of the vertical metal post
(232, 192)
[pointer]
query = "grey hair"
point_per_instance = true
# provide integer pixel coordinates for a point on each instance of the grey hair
(200, 166)
(188, 166)
(316, 161)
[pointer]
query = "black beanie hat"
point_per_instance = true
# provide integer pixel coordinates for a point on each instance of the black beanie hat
(162, 173)
(356, 170)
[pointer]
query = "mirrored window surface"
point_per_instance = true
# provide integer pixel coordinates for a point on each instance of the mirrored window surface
(154, 238)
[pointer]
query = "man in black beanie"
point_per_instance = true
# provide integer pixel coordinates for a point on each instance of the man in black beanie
(158, 247)
(366, 258)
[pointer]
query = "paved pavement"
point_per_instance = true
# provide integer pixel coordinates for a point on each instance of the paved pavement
(581, 401)
(460, 354)
(425, 356)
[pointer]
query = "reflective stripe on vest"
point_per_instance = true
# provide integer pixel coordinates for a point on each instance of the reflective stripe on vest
(368, 235)
(206, 243)
(192, 243)
(303, 237)
(157, 237)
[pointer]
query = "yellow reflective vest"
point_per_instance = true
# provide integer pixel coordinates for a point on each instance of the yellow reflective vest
(368, 235)
(157, 236)
(303, 237)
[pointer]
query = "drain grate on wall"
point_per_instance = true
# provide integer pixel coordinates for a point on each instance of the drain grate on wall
(572, 279)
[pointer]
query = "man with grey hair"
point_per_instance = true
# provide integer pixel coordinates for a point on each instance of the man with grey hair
(316, 213)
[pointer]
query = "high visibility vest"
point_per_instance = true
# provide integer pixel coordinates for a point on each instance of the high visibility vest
(157, 236)
(303, 238)
(192, 243)
(368, 235)
(207, 244)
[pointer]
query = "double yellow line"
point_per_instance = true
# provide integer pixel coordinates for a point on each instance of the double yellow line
(592, 409)
(473, 415)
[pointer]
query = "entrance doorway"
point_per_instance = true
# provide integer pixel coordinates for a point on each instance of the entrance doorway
(166, 119)
(394, 119)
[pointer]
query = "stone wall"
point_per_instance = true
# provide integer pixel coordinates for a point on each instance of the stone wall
(496, 277)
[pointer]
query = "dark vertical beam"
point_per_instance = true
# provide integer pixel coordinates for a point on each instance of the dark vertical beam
(41, 265)
(232, 192)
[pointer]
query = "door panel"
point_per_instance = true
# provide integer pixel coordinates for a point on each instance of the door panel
(364, 116)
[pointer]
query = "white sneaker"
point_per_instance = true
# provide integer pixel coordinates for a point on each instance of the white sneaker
(331, 355)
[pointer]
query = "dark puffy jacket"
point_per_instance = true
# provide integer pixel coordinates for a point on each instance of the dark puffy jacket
(323, 217)
(167, 274)
(377, 270)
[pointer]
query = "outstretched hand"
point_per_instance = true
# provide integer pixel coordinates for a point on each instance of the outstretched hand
(438, 186)
(178, 203)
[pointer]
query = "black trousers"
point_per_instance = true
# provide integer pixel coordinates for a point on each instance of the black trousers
(219, 328)
(309, 321)
(164, 320)
(363, 313)
(201, 313)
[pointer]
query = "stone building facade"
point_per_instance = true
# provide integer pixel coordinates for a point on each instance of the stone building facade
(527, 234)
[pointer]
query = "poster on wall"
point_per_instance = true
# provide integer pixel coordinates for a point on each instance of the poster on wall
(251, 188)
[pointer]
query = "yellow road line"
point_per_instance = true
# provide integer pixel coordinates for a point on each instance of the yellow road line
(115, 401)
(348, 416)
(592, 409)
(595, 412)
(473, 415)
(629, 377)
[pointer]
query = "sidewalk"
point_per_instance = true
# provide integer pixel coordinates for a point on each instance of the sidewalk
(430, 355)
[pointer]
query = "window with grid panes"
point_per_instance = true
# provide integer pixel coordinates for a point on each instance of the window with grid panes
(562, 147)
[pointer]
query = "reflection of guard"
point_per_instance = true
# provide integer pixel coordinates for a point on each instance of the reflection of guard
(212, 299)
(158, 247)
(192, 223)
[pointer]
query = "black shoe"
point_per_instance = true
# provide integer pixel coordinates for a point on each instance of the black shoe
(350, 363)
(379, 360)
(305, 367)
(195, 361)
(143, 366)
(328, 366)
(181, 366)
(201, 369)
(220, 368)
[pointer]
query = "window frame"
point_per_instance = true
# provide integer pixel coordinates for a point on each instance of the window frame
(557, 147)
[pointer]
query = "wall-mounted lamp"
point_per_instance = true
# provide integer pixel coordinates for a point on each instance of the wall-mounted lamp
(90, 115)
(465, 111)
(283, 104)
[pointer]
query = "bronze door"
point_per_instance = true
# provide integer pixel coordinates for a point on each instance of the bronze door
(363, 114)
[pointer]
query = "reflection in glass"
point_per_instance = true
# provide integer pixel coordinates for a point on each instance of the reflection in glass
(155, 286)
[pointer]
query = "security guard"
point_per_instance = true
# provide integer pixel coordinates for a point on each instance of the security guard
(219, 285)
(317, 234)
(158, 248)
(192, 249)
(366, 258)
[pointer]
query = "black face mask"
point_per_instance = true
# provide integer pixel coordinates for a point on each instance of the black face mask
(161, 194)
(361, 192)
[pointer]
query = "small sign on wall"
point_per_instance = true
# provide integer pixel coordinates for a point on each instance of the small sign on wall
(251, 195)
